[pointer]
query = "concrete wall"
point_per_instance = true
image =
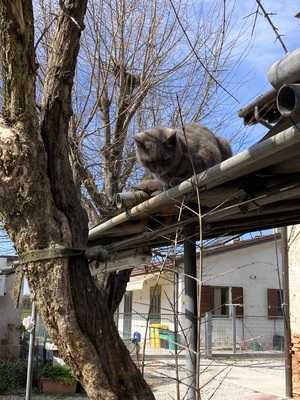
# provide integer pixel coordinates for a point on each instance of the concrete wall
(10, 320)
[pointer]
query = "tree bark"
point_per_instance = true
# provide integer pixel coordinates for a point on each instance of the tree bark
(40, 205)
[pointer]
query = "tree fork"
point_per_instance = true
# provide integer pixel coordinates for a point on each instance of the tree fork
(41, 209)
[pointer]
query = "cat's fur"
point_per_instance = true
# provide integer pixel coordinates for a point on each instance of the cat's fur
(167, 153)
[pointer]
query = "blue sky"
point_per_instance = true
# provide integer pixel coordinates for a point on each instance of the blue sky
(263, 50)
(250, 77)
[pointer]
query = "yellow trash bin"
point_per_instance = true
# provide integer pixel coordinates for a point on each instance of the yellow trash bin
(154, 334)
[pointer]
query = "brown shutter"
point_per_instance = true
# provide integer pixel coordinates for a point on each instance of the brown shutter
(238, 298)
(207, 299)
(272, 303)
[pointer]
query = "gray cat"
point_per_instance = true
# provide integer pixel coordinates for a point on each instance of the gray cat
(167, 152)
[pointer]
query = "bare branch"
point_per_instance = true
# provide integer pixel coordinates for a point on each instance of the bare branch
(198, 58)
(274, 28)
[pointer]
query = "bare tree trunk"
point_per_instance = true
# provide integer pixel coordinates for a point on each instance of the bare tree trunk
(41, 209)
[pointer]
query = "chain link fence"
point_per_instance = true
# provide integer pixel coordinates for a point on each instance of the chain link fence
(250, 333)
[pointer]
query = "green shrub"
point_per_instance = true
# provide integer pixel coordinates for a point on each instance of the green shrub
(58, 373)
(12, 375)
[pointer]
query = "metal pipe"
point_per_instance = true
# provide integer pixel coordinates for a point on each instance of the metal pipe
(30, 354)
(261, 155)
(286, 70)
(190, 289)
(286, 313)
(130, 199)
(233, 317)
(208, 334)
(288, 100)
(176, 300)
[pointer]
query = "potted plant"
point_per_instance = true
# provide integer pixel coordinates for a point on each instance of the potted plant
(57, 379)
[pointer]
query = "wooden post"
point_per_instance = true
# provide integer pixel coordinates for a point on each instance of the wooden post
(190, 285)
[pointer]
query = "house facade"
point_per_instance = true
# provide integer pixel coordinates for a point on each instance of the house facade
(244, 274)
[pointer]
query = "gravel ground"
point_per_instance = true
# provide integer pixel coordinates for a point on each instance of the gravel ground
(221, 380)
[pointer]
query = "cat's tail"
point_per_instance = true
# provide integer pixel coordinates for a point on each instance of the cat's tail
(224, 147)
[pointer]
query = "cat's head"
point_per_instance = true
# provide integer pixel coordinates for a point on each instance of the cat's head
(156, 149)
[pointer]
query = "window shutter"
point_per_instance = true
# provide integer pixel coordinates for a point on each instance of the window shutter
(207, 299)
(155, 304)
(238, 298)
(272, 303)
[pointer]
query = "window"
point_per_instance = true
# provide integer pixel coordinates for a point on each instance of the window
(221, 301)
(155, 301)
(275, 300)
(216, 299)
(237, 297)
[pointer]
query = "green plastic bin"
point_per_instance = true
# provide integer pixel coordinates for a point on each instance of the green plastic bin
(164, 340)
(167, 339)
(171, 339)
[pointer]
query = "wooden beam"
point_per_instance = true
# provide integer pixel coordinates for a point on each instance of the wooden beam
(123, 260)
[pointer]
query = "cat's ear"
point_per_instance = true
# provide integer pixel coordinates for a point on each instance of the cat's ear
(139, 141)
(172, 138)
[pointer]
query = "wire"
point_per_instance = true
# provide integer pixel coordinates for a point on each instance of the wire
(198, 58)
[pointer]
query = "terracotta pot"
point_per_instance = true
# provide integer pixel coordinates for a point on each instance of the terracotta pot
(54, 387)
